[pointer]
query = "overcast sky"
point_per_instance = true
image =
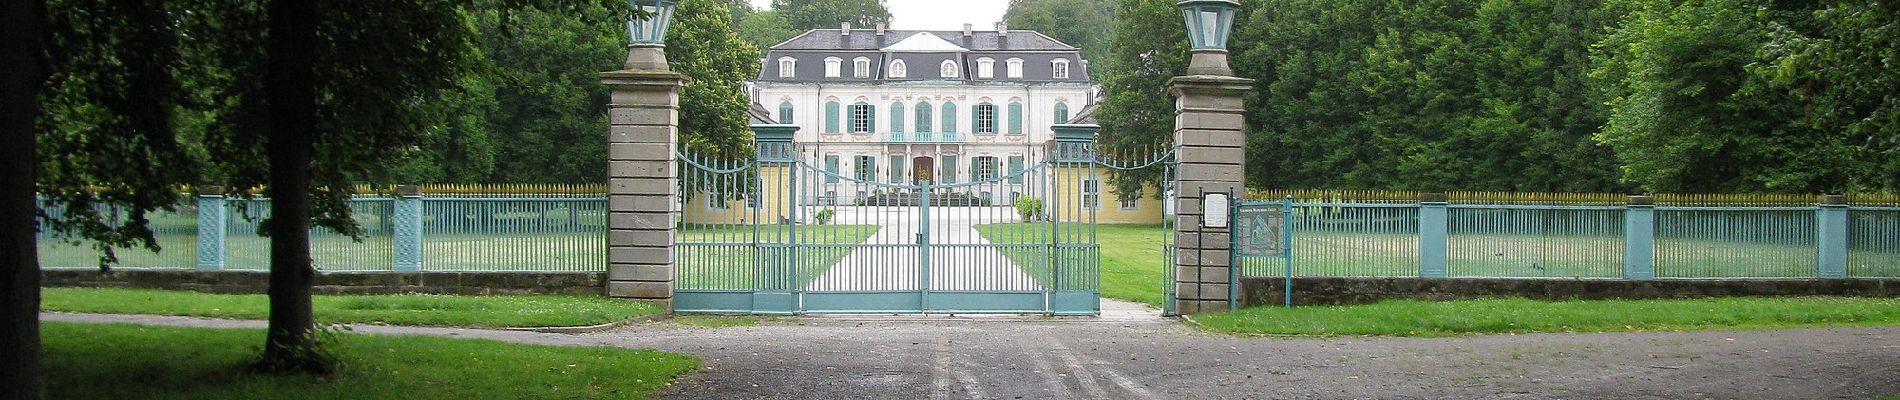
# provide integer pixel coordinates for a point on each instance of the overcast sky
(947, 15)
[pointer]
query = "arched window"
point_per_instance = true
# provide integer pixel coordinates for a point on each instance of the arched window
(861, 67)
(1015, 67)
(831, 67)
(862, 120)
(924, 117)
(949, 117)
(787, 67)
(1061, 68)
(831, 116)
(1015, 118)
(985, 119)
(1062, 113)
(785, 113)
(949, 69)
(985, 68)
(898, 70)
(897, 117)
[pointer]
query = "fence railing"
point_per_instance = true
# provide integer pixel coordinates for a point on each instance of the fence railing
(1386, 237)
(407, 232)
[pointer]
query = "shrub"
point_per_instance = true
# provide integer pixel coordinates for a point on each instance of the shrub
(824, 216)
(1029, 208)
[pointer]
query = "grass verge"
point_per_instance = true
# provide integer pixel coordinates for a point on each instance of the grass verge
(415, 309)
(1432, 319)
(1132, 265)
(85, 361)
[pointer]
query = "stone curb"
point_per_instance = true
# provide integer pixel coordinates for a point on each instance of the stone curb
(576, 330)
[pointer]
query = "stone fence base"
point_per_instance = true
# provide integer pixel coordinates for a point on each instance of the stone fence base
(1343, 291)
(249, 282)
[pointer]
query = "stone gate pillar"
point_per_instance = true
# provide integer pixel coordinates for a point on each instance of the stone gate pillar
(1209, 135)
(643, 178)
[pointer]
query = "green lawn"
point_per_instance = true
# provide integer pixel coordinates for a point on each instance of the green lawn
(85, 361)
(1420, 318)
(1132, 267)
(723, 256)
(429, 310)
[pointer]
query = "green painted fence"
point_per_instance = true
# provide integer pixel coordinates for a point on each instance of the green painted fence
(449, 232)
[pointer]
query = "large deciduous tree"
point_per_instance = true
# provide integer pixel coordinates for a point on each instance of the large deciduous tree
(1080, 23)
(827, 14)
(702, 45)
(22, 29)
(1148, 46)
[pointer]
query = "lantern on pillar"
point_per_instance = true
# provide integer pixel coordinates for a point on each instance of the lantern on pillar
(647, 37)
(651, 31)
(1209, 22)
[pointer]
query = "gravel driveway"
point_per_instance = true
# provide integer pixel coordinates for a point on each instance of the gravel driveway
(1132, 354)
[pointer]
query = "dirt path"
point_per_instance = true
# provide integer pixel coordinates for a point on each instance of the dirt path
(1134, 355)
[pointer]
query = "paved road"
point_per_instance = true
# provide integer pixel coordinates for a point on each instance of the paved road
(960, 259)
(1134, 355)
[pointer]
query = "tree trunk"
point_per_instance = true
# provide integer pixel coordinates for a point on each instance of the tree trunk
(290, 89)
(21, 32)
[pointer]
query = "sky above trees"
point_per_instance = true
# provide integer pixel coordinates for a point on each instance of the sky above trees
(936, 14)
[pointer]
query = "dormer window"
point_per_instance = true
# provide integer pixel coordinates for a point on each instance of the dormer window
(1016, 68)
(949, 69)
(861, 67)
(832, 66)
(1061, 67)
(985, 68)
(898, 70)
(787, 67)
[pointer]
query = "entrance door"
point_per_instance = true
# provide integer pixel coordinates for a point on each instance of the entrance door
(922, 169)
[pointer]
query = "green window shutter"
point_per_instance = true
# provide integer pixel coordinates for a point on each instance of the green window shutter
(870, 118)
(949, 170)
(831, 117)
(923, 118)
(1015, 169)
(1062, 113)
(949, 117)
(976, 169)
(897, 117)
(897, 169)
(1016, 118)
(785, 113)
(831, 166)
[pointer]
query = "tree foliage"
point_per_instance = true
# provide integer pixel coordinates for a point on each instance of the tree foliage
(713, 117)
(1080, 23)
(1148, 46)
(826, 14)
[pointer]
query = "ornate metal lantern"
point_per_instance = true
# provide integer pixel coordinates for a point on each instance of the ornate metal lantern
(1209, 22)
(651, 31)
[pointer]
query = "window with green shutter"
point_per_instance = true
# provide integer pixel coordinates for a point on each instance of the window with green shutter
(924, 117)
(1062, 113)
(984, 120)
(865, 170)
(897, 169)
(949, 117)
(1015, 169)
(785, 113)
(949, 170)
(897, 117)
(831, 167)
(1015, 118)
(831, 117)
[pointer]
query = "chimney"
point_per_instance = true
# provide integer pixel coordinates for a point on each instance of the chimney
(1002, 29)
(880, 29)
(966, 30)
(844, 28)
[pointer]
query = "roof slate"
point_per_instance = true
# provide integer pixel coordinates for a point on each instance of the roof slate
(866, 39)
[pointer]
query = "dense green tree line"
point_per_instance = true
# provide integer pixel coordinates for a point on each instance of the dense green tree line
(1543, 95)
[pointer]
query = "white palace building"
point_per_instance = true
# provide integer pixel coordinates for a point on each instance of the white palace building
(905, 106)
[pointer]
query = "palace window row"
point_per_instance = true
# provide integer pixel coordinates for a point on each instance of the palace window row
(861, 68)
(861, 117)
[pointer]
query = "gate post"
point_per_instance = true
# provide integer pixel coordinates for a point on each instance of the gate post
(212, 215)
(1209, 135)
(643, 177)
(1832, 227)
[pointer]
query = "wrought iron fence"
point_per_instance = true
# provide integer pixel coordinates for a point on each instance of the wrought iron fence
(1690, 237)
(451, 232)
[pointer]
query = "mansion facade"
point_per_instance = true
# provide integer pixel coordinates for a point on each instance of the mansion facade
(906, 106)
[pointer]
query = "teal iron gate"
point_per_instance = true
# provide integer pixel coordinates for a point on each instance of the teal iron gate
(805, 229)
